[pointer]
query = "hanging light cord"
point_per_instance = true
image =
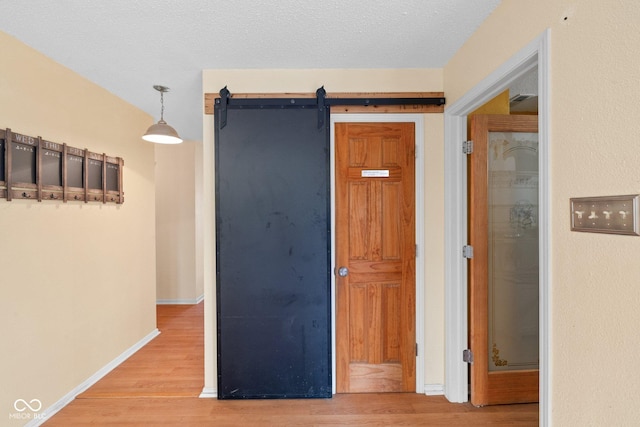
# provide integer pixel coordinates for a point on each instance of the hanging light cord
(162, 90)
(162, 105)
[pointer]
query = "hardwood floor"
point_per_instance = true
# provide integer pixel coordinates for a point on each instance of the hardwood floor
(160, 385)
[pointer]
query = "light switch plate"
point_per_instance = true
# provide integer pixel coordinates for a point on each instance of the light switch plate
(607, 214)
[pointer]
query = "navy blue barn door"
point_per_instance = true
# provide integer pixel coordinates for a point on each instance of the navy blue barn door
(272, 259)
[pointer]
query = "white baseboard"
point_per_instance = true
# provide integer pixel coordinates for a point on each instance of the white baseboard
(65, 400)
(180, 301)
(434, 389)
(209, 393)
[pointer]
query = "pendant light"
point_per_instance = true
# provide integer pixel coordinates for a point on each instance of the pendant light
(161, 132)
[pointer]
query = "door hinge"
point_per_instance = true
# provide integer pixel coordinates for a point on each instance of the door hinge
(467, 251)
(416, 349)
(467, 147)
(467, 356)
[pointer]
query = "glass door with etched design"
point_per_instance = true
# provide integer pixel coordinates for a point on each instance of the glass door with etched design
(504, 270)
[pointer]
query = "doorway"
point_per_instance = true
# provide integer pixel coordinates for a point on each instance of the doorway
(417, 125)
(536, 54)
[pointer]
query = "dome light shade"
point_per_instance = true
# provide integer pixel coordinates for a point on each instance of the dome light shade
(161, 132)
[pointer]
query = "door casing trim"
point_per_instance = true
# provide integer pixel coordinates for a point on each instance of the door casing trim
(418, 120)
(536, 53)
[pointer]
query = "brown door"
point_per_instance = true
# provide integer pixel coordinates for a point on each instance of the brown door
(503, 273)
(375, 256)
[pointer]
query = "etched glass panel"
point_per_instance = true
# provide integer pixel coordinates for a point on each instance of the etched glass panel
(513, 250)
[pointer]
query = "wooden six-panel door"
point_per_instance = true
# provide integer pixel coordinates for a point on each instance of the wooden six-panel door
(375, 257)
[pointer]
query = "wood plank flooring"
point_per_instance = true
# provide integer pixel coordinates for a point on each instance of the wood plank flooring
(160, 385)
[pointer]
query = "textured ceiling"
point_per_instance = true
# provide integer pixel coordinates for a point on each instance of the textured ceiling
(127, 46)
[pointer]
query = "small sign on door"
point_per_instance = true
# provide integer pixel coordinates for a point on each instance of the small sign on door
(375, 173)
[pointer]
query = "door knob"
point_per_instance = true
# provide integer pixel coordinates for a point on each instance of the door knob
(343, 271)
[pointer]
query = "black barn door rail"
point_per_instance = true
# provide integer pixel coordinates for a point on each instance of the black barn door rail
(321, 102)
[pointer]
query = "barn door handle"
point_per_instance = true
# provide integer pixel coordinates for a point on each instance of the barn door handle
(343, 271)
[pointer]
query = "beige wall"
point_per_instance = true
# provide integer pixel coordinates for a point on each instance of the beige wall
(257, 81)
(178, 253)
(595, 278)
(77, 281)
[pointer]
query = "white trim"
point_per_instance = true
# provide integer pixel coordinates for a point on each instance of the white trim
(208, 393)
(534, 54)
(418, 119)
(180, 301)
(545, 231)
(434, 389)
(66, 399)
(455, 232)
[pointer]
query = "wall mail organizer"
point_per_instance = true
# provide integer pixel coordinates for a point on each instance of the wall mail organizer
(33, 168)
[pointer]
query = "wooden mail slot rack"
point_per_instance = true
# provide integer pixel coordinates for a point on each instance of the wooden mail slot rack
(34, 168)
